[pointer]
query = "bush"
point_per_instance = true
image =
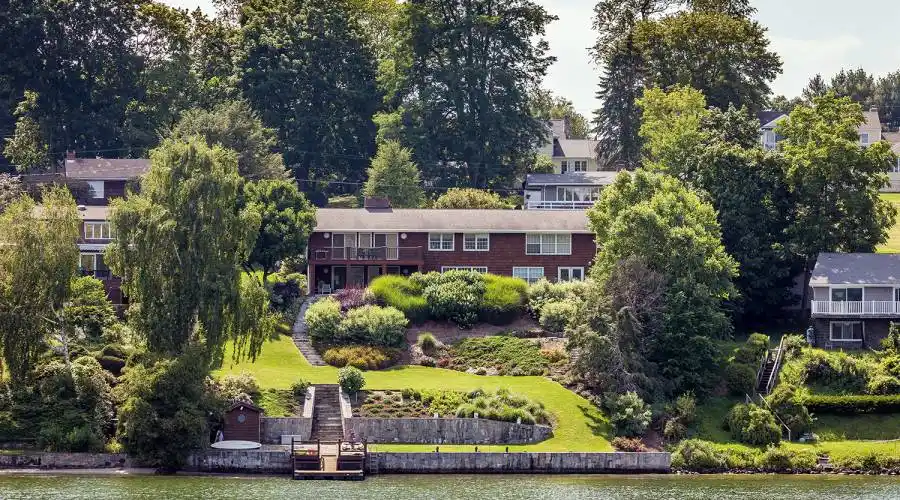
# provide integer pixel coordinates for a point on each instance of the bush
(353, 297)
(456, 296)
(351, 379)
(401, 293)
(543, 292)
(674, 431)
(699, 456)
(556, 316)
(285, 290)
(628, 445)
(243, 387)
(778, 459)
(504, 299)
(509, 355)
(751, 424)
(298, 390)
(852, 405)
(793, 345)
(373, 325)
(837, 371)
(883, 384)
(740, 378)
(89, 309)
(786, 403)
(629, 415)
(427, 343)
(752, 351)
(323, 320)
(362, 357)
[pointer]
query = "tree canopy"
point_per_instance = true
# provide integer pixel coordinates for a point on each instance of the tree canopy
(393, 175)
(470, 198)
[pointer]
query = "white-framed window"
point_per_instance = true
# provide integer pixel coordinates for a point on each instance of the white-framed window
(580, 166)
(98, 231)
(529, 274)
(896, 167)
(847, 294)
(864, 138)
(570, 274)
(770, 139)
(476, 242)
(548, 244)
(440, 242)
(477, 269)
(564, 166)
(88, 262)
(896, 294)
(97, 188)
(847, 331)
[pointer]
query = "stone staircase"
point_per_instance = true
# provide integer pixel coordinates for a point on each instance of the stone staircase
(301, 339)
(327, 425)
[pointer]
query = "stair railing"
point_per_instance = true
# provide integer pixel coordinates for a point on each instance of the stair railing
(772, 411)
(773, 377)
(761, 370)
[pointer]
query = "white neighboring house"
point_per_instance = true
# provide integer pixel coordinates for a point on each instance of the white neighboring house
(576, 179)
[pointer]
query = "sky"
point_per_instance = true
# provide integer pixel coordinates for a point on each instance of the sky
(811, 36)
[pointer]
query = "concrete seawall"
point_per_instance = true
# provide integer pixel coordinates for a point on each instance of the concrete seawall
(272, 428)
(243, 461)
(47, 460)
(510, 463)
(444, 431)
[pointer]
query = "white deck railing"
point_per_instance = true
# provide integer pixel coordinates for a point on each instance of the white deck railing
(857, 308)
(558, 205)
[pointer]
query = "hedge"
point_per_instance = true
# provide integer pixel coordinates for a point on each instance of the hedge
(852, 405)
(403, 294)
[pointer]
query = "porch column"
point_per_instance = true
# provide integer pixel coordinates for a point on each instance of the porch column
(383, 269)
(311, 279)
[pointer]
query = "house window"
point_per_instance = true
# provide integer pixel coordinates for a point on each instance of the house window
(88, 262)
(440, 242)
(548, 244)
(96, 188)
(564, 166)
(895, 168)
(98, 231)
(529, 274)
(896, 294)
(477, 269)
(571, 273)
(847, 294)
(846, 331)
(476, 242)
(580, 165)
(864, 138)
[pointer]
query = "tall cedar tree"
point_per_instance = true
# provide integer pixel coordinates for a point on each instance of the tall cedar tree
(181, 243)
(718, 154)
(38, 259)
(393, 175)
(659, 220)
(466, 69)
(307, 71)
(834, 182)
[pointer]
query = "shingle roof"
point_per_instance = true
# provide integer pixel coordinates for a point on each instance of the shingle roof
(434, 220)
(102, 169)
(766, 117)
(571, 179)
(894, 139)
(575, 148)
(871, 119)
(856, 269)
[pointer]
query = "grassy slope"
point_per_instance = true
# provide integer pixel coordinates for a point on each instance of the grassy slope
(579, 426)
(893, 243)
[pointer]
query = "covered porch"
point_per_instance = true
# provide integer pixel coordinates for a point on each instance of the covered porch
(330, 278)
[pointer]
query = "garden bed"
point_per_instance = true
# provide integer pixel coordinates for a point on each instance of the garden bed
(409, 403)
(503, 355)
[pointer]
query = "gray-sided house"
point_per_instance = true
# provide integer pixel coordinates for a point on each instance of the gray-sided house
(569, 191)
(855, 297)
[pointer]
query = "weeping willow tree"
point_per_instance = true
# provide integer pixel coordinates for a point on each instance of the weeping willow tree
(38, 258)
(180, 244)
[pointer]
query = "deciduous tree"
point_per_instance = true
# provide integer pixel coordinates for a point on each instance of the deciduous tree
(470, 198)
(552, 107)
(27, 148)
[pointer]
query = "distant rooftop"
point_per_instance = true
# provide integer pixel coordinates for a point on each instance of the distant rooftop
(856, 269)
(572, 179)
(449, 220)
(103, 169)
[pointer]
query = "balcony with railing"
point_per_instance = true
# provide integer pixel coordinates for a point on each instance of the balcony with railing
(874, 308)
(559, 205)
(373, 254)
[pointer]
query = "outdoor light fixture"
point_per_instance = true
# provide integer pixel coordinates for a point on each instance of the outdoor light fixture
(326, 235)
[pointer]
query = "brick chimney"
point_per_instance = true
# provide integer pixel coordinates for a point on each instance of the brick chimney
(376, 203)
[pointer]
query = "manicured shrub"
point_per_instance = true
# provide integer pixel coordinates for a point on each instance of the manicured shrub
(699, 456)
(241, 387)
(752, 351)
(298, 390)
(402, 293)
(373, 325)
(543, 292)
(852, 405)
(89, 309)
(633, 445)
(323, 320)
(456, 296)
(362, 357)
(751, 424)
(351, 379)
(837, 371)
(740, 378)
(793, 345)
(556, 316)
(509, 355)
(427, 343)
(787, 404)
(504, 299)
(629, 415)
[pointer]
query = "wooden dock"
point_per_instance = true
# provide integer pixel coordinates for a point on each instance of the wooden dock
(336, 461)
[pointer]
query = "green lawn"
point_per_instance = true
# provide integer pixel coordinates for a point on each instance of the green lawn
(893, 243)
(579, 425)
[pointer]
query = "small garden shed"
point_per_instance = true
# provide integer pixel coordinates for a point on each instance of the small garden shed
(242, 422)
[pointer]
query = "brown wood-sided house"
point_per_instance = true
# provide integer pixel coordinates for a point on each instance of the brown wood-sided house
(350, 247)
(105, 178)
(96, 234)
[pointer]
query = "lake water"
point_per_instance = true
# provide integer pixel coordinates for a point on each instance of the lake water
(758, 487)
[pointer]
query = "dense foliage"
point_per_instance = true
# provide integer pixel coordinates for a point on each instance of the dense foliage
(470, 198)
(362, 357)
(394, 176)
(505, 355)
(629, 415)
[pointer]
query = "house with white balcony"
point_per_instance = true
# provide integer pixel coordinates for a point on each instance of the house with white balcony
(855, 298)
(869, 130)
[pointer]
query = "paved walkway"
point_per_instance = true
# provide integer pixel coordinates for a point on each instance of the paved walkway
(301, 339)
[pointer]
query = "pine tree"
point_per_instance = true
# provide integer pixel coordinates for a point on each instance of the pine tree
(393, 175)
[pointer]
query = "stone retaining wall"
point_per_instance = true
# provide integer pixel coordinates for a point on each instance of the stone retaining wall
(272, 428)
(43, 460)
(507, 463)
(444, 431)
(243, 461)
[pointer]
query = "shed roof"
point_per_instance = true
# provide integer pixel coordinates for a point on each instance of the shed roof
(856, 269)
(103, 169)
(450, 220)
(242, 405)
(571, 179)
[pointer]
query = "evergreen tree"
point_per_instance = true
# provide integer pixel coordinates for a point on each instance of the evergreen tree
(856, 84)
(26, 148)
(393, 175)
(815, 88)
